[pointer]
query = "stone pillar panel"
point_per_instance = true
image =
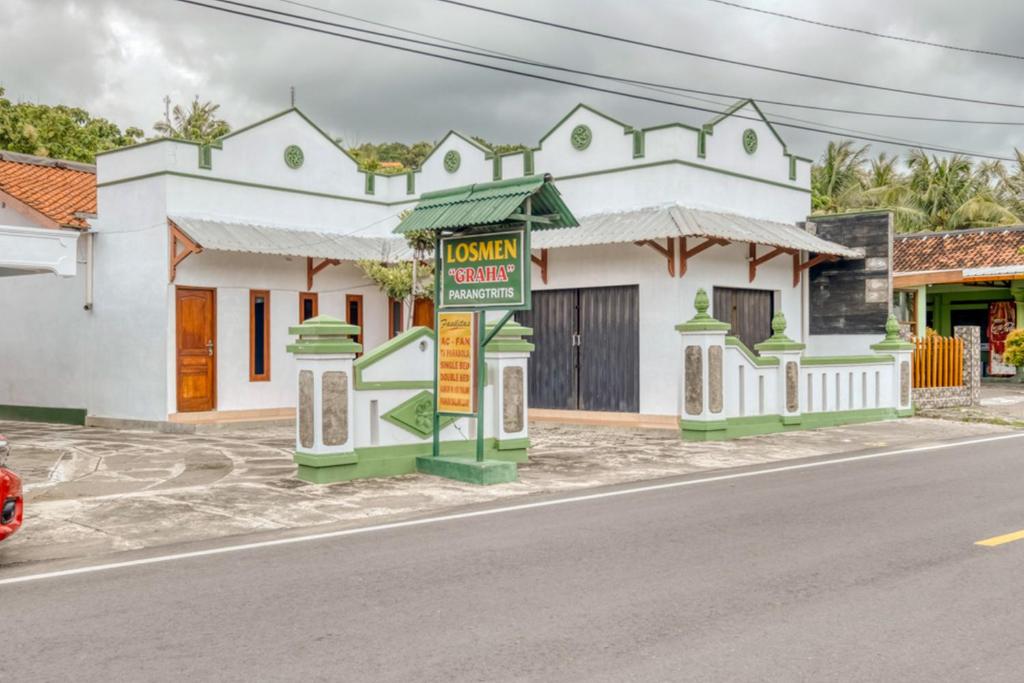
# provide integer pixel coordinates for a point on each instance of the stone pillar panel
(715, 379)
(306, 416)
(335, 408)
(904, 383)
(512, 400)
(792, 387)
(694, 372)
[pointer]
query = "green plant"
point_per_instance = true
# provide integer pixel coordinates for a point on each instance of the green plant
(1014, 352)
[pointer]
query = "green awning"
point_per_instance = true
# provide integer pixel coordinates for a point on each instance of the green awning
(490, 204)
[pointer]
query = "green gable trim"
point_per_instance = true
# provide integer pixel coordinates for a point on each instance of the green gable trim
(413, 334)
(371, 182)
(638, 144)
(683, 162)
(626, 128)
(846, 360)
(155, 141)
(69, 416)
(292, 110)
(528, 162)
(205, 157)
(759, 361)
(244, 183)
(410, 182)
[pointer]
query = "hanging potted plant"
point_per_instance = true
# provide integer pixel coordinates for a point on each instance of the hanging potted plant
(1014, 352)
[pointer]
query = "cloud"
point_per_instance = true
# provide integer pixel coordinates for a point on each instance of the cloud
(119, 58)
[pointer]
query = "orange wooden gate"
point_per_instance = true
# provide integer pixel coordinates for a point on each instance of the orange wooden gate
(938, 362)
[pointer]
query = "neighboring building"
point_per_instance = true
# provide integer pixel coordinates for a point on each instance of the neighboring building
(44, 205)
(963, 277)
(204, 255)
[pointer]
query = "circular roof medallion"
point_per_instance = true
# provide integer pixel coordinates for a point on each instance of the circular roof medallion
(293, 156)
(581, 137)
(750, 140)
(452, 161)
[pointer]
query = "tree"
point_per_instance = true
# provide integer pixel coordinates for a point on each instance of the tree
(406, 280)
(59, 131)
(836, 181)
(951, 193)
(198, 123)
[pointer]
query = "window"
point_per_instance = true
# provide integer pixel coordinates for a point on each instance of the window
(394, 317)
(354, 313)
(259, 336)
(308, 305)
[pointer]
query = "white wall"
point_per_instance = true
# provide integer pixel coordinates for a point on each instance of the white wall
(233, 276)
(665, 302)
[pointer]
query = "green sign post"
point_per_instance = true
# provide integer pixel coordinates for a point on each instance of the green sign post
(481, 262)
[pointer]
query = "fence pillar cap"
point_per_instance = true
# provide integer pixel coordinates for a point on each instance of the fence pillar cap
(779, 341)
(892, 341)
(702, 322)
(324, 334)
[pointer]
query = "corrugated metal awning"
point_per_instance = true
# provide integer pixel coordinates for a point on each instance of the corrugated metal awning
(678, 221)
(253, 238)
(489, 204)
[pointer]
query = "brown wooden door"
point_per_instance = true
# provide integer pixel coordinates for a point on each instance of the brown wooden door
(197, 349)
(748, 311)
(423, 313)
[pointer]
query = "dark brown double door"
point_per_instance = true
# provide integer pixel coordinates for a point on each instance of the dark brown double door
(587, 354)
(748, 311)
(196, 342)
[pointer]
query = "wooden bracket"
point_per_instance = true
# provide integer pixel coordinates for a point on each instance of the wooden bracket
(312, 270)
(181, 247)
(668, 251)
(753, 260)
(686, 254)
(542, 262)
(799, 267)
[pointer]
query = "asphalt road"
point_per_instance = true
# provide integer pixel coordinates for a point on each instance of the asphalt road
(864, 570)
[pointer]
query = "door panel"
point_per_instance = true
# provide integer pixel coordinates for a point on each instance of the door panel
(196, 349)
(609, 349)
(552, 381)
(749, 311)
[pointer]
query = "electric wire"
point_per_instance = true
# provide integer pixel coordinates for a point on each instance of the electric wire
(726, 60)
(449, 58)
(874, 34)
(479, 51)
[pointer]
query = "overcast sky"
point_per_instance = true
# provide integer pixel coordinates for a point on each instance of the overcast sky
(118, 58)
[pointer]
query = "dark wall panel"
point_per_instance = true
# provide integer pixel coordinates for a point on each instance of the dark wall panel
(852, 296)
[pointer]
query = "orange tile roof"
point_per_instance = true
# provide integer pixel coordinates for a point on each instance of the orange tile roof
(57, 189)
(959, 249)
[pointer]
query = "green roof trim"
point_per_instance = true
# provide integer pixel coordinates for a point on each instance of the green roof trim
(489, 204)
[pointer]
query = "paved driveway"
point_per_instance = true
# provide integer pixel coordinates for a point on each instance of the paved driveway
(94, 491)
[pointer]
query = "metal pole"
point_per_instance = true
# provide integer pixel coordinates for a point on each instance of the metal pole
(481, 386)
(436, 448)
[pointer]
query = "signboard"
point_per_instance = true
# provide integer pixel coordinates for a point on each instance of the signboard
(1002, 320)
(485, 270)
(457, 344)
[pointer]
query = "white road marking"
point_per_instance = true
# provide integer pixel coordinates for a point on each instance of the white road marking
(492, 511)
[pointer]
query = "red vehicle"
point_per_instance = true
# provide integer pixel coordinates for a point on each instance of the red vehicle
(12, 504)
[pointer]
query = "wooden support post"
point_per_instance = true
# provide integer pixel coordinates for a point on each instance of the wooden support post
(542, 262)
(178, 239)
(312, 270)
(753, 260)
(668, 251)
(686, 254)
(799, 267)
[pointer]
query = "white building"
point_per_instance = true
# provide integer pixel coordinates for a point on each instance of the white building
(203, 256)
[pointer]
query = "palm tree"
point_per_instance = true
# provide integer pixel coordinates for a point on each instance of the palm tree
(198, 123)
(951, 193)
(836, 181)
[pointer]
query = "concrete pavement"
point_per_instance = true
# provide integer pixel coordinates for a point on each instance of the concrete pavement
(853, 570)
(95, 491)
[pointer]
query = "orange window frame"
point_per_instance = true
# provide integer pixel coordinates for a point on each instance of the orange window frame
(356, 299)
(303, 298)
(393, 329)
(265, 375)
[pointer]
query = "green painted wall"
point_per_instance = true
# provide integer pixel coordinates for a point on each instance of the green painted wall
(70, 416)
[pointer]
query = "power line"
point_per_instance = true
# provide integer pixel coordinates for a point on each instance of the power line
(904, 39)
(559, 81)
(725, 60)
(660, 87)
